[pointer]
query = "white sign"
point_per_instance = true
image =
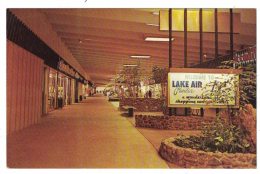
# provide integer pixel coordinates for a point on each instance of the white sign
(202, 90)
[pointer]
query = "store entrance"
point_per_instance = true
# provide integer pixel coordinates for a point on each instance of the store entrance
(52, 90)
(64, 90)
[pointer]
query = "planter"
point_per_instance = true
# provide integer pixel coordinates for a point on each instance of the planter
(143, 104)
(192, 158)
(172, 122)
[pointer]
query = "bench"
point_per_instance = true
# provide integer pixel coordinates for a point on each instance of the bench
(130, 110)
(113, 98)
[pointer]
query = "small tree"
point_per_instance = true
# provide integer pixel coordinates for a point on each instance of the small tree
(131, 77)
(160, 76)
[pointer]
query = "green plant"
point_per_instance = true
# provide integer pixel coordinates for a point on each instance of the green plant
(131, 76)
(160, 77)
(223, 137)
(217, 136)
(220, 135)
(247, 82)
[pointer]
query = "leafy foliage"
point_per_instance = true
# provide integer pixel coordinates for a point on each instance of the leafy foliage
(217, 136)
(247, 83)
(131, 76)
(160, 76)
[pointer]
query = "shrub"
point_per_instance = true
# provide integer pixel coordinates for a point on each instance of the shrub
(247, 83)
(217, 136)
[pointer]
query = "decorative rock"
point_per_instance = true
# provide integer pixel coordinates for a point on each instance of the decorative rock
(214, 162)
(143, 104)
(191, 158)
(170, 122)
(248, 120)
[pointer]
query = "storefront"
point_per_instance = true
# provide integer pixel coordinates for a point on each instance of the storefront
(58, 90)
(42, 78)
(52, 90)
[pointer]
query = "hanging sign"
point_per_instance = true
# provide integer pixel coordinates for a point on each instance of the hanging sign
(188, 87)
(245, 56)
(66, 68)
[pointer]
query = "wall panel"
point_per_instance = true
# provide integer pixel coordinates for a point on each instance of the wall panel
(13, 71)
(9, 84)
(26, 92)
(18, 88)
(24, 97)
(34, 90)
(23, 89)
(31, 78)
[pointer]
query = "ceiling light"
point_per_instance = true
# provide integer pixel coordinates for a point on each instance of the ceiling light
(155, 13)
(129, 65)
(80, 41)
(154, 25)
(158, 39)
(141, 56)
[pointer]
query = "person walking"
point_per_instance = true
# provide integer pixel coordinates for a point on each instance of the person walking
(150, 94)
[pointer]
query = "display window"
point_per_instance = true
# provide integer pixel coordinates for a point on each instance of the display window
(52, 90)
(64, 89)
(59, 90)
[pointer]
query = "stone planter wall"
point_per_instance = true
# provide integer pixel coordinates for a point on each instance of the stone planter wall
(191, 158)
(142, 104)
(248, 120)
(172, 122)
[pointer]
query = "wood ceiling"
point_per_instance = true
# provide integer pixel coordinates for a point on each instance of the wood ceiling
(103, 39)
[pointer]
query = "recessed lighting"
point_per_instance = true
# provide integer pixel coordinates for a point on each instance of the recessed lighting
(154, 25)
(80, 41)
(141, 56)
(126, 65)
(155, 13)
(158, 39)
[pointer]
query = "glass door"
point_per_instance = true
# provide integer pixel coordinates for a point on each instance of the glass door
(52, 90)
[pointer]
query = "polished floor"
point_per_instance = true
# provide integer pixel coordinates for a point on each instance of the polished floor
(91, 134)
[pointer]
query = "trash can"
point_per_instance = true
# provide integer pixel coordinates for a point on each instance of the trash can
(130, 112)
(60, 102)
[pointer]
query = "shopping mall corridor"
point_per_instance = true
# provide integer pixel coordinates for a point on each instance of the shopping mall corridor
(91, 134)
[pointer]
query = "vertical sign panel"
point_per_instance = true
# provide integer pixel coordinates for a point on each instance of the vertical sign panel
(193, 20)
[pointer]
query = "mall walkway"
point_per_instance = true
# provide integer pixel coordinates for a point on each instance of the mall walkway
(85, 135)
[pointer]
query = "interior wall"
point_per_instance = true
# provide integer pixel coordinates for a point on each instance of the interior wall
(38, 23)
(24, 88)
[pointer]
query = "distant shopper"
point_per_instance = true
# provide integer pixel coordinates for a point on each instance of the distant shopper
(150, 94)
(146, 94)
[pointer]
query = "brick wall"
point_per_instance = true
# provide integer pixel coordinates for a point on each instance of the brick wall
(143, 104)
(172, 122)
